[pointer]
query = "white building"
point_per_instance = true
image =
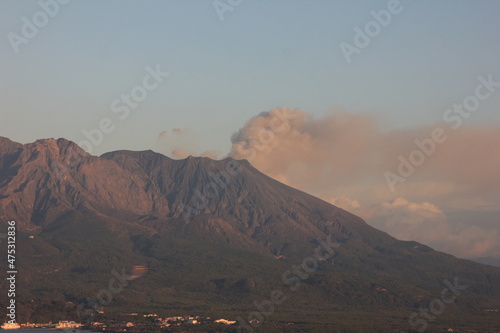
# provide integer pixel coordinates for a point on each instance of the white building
(68, 324)
(225, 321)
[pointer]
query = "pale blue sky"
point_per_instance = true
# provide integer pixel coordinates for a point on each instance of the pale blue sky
(263, 55)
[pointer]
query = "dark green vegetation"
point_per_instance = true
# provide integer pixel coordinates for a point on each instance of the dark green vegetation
(99, 214)
(191, 277)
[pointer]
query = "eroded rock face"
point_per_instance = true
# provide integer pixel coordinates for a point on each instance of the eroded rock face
(42, 181)
(45, 179)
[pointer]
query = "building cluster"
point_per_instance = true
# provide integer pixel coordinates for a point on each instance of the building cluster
(154, 320)
(134, 324)
(62, 325)
(189, 320)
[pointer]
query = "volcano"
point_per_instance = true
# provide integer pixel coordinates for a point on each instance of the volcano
(217, 237)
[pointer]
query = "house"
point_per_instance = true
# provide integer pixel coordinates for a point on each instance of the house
(226, 322)
(67, 324)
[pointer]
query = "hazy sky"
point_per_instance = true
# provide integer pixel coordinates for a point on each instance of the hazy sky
(62, 74)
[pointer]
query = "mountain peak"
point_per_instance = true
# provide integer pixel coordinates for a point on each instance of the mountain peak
(61, 148)
(3, 139)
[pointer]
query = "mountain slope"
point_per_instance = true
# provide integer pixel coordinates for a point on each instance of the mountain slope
(215, 235)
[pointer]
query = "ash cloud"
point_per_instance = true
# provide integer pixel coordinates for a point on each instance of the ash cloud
(342, 158)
